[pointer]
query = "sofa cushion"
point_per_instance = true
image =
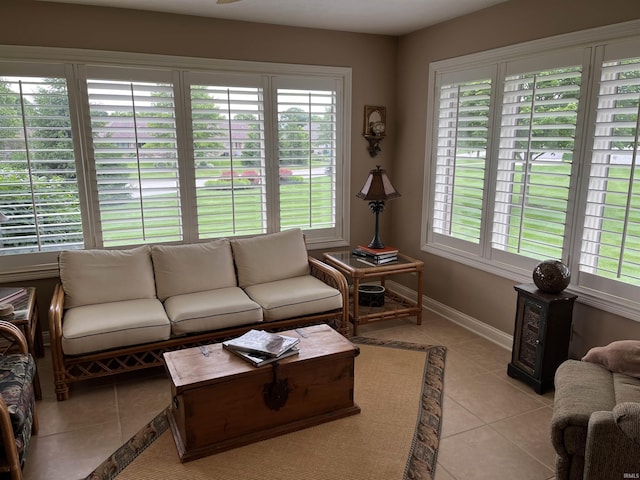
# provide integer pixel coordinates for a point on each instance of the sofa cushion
(622, 356)
(267, 258)
(198, 267)
(91, 328)
(212, 310)
(294, 297)
(100, 276)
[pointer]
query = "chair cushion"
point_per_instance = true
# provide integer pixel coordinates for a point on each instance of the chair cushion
(294, 297)
(100, 276)
(16, 387)
(212, 310)
(92, 328)
(198, 267)
(267, 258)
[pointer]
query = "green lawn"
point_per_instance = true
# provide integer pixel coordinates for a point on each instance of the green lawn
(221, 212)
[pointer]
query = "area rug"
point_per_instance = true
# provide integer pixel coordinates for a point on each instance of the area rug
(398, 386)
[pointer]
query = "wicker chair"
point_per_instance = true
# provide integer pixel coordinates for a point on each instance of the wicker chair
(18, 420)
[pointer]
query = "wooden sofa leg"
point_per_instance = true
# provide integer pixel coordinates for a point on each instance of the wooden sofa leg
(62, 391)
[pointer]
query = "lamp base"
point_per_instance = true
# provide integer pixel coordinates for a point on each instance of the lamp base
(376, 243)
(377, 206)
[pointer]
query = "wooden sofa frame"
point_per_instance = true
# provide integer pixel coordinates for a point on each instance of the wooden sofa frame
(68, 369)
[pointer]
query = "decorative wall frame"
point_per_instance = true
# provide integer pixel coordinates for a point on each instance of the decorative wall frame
(375, 125)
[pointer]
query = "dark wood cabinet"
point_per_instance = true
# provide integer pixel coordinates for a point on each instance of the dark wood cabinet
(541, 336)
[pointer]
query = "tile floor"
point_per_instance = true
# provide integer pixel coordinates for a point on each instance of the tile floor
(494, 427)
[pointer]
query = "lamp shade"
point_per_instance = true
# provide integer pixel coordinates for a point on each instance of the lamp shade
(377, 187)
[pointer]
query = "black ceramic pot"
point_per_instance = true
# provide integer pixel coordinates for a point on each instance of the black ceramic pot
(551, 276)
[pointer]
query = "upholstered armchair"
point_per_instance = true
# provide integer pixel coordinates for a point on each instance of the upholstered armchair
(18, 419)
(595, 427)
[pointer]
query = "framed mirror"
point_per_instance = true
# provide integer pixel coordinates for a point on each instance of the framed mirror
(375, 121)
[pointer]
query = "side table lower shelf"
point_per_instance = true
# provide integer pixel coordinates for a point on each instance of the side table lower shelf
(394, 307)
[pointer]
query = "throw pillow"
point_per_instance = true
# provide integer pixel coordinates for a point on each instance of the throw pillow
(100, 276)
(622, 356)
(271, 257)
(191, 268)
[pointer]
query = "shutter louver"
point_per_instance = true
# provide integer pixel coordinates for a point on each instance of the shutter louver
(39, 190)
(136, 161)
(307, 126)
(229, 156)
(537, 132)
(611, 235)
(462, 136)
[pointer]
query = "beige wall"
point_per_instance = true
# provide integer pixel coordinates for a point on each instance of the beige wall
(478, 294)
(386, 71)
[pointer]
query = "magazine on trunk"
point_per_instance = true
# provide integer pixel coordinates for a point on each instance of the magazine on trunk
(258, 360)
(262, 343)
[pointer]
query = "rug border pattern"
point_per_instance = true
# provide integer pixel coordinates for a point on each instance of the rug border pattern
(423, 454)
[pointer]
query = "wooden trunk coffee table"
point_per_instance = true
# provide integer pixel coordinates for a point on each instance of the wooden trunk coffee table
(220, 401)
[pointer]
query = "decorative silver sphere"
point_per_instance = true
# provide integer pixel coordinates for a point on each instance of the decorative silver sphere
(551, 276)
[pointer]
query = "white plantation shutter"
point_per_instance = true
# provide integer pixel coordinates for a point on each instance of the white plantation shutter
(101, 152)
(307, 155)
(133, 125)
(535, 157)
(229, 155)
(611, 235)
(38, 186)
(461, 155)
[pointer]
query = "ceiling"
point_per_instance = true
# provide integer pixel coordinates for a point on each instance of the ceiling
(387, 17)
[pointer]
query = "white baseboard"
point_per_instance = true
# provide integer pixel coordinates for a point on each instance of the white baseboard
(492, 334)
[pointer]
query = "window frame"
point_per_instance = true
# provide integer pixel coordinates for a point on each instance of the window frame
(508, 266)
(76, 62)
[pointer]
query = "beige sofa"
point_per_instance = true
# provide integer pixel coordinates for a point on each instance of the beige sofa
(119, 310)
(595, 427)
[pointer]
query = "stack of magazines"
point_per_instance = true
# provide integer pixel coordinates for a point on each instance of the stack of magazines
(260, 348)
(376, 256)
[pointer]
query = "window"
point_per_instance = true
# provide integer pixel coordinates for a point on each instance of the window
(230, 159)
(306, 152)
(38, 190)
(135, 156)
(534, 156)
(103, 154)
(611, 235)
(461, 155)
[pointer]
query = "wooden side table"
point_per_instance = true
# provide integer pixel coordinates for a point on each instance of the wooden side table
(25, 317)
(394, 306)
(541, 337)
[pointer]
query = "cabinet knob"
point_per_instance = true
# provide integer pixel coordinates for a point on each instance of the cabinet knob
(537, 341)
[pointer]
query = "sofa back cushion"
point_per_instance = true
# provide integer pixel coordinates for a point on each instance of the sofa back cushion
(90, 277)
(271, 257)
(198, 267)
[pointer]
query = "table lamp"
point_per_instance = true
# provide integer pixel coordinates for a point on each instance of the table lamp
(377, 189)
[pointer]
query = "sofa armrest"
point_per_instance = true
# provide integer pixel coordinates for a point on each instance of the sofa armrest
(335, 279)
(581, 388)
(610, 452)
